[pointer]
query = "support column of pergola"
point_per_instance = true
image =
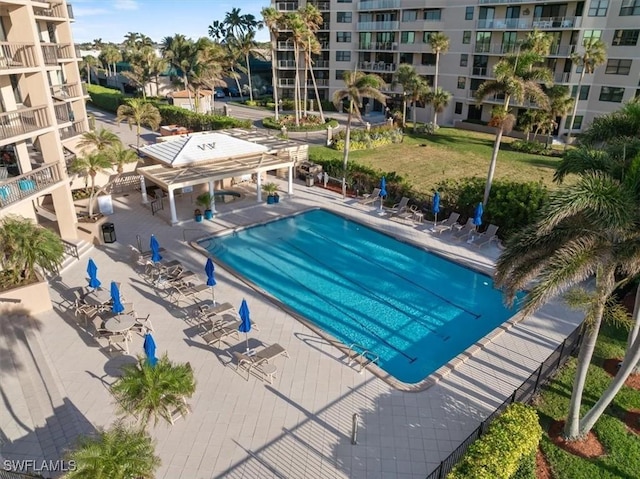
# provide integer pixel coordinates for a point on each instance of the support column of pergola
(259, 187)
(172, 206)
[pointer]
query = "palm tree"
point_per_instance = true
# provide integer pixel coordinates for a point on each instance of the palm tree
(137, 112)
(406, 76)
(111, 55)
(181, 53)
(358, 85)
(273, 21)
(439, 44)
(89, 62)
(594, 55)
(560, 104)
(98, 140)
(587, 229)
(439, 100)
(245, 45)
(118, 155)
(517, 77)
(312, 19)
(538, 42)
(293, 21)
(209, 70)
(24, 246)
(117, 453)
(154, 392)
(97, 44)
(417, 91)
(89, 166)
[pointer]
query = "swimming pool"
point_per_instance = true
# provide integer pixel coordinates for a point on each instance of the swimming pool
(414, 309)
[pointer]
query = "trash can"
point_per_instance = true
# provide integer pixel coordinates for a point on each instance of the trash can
(109, 233)
(309, 180)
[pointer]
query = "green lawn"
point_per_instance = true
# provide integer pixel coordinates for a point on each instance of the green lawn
(425, 160)
(622, 459)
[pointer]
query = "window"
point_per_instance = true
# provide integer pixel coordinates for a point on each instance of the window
(466, 37)
(627, 38)
(464, 59)
(598, 8)
(428, 59)
(343, 37)
(468, 13)
(584, 92)
(344, 1)
(577, 124)
(435, 14)
(589, 34)
(618, 67)
(630, 7)
(340, 74)
(458, 108)
(343, 56)
(344, 17)
(409, 15)
(612, 94)
(408, 37)
(426, 37)
(406, 58)
(462, 83)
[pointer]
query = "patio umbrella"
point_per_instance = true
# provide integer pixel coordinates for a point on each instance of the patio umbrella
(436, 208)
(245, 325)
(383, 191)
(150, 349)
(116, 304)
(211, 280)
(92, 271)
(477, 216)
(155, 249)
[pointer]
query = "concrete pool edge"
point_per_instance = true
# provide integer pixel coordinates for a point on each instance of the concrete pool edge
(434, 377)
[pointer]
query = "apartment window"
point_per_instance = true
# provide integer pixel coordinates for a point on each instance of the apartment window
(462, 83)
(344, 1)
(340, 74)
(466, 37)
(435, 14)
(426, 37)
(612, 94)
(577, 124)
(428, 59)
(343, 56)
(343, 37)
(584, 92)
(458, 108)
(598, 8)
(630, 7)
(344, 17)
(618, 67)
(406, 58)
(408, 37)
(468, 13)
(591, 34)
(464, 59)
(628, 38)
(409, 15)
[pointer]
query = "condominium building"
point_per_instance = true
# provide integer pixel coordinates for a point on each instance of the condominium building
(375, 36)
(43, 109)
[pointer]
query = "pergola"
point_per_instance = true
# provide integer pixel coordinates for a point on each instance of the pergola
(203, 158)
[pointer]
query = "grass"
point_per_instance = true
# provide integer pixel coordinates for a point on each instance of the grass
(426, 160)
(623, 447)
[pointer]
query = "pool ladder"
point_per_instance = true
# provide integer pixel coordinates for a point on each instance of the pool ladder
(364, 357)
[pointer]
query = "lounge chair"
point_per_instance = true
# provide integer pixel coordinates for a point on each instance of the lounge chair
(371, 198)
(259, 362)
(401, 207)
(485, 238)
(410, 214)
(464, 231)
(272, 352)
(180, 292)
(221, 332)
(447, 224)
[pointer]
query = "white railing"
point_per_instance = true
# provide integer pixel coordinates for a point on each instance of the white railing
(15, 189)
(378, 4)
(386, 46)
(375, 26)
(18, 122)
(17, 55)
(377, 66)
(541, 23)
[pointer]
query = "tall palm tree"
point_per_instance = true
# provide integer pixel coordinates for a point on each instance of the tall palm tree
(119, 156)
(273, 21)
(439, 44)
(137, 112)
(181, 53)
(560, 104)
(98, 140)
(89, 62)
(439, 100)
(116, 453)
(154, 392)
(111, 55)
(587, 229)
(245, 44)
(210, 69)
(594, 55)
(417, 91)
(293, 21)
(89, 166)
(405, 76)
(312, 19)
(538, 42)
(358, 85)
(518, 78)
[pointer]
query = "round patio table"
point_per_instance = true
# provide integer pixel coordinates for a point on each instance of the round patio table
(120, 323)
(98, 297)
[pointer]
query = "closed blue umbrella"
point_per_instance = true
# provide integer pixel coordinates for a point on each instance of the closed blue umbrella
(92, 271)
(155, 249)
(211, 280)
(477, 215)
(116, 304)
(245, 325)
(150, 349)
(436, 208)
(383, 191)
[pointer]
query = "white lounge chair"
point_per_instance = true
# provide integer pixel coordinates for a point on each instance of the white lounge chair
(485, 238)
(464, 231)
(447, 224)
(220, 332)
(371, 198)
(401, 207)
(259, 362)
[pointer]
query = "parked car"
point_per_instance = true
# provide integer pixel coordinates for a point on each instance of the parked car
(233, 91)
(220, 93)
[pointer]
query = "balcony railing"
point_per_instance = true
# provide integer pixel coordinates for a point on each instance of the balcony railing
(562, 77)
(321, 5)
(66, 91)
(286, 81)
(23, 186)
(63, 112)
(321, 64)
(54, 11)
(385, 46)
(319, 82)
(70, 11)
(66, 51)
(285, 46)
(74, 130)
(378, 4)
(325, 26)
(17, 55)
(19, 122)
(286, 6)
(540, 23)
(377, 66)
(504, 48)
(286, 63)
(50, 53)
(376, 26)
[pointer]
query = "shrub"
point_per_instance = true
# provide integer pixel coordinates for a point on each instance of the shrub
(527, 146)
(368, 139)
(511, 438)
(527, 468)
(198, 121)
(310, 123)
(105, 98)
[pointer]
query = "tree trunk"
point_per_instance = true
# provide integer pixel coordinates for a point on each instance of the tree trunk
(138, 135)
(93, 192)
(492, 165)
(307, 67)
(404, 111)
(274, 80)
(186, 87)
(315, 87)
(249, 76)
(235, 76)
(435, 78)
(296, 85)
(88, 75)
(345, 159)
(435, 118)
(414, 115)
(575, 108)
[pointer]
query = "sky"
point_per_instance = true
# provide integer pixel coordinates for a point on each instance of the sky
(111, 20)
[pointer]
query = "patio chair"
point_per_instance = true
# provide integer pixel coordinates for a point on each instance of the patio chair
(99, 330)
(464, 231)
(183, 291)
(222, 332)
(143, 325)
(260, 367)
(154, 270)
(370, 198)
(121, 339)
(485, 238)
(272, 352)
(446, 225)
(408, 213)
(401, 207)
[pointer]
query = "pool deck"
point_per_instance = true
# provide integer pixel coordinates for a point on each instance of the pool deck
(55, 376)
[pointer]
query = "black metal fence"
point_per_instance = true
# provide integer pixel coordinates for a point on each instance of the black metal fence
(523, 394)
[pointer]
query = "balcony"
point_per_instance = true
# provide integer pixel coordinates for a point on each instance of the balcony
(66, 91)
(286, 6)
(23, 186)
(324, 26)
(378, 46)
(541, 23)
(479, 71)
(286, 64)
(67, 51)
(321, 64)
(378, 4)
(285, 46)
(63, 113)
(54, 11)
(323, 6)
(50, 54)
(319, 82)
(378, 26)
(17, 55)
(19, 122)
(85, 90)
(377, 66)
(74, 130)
(562, 77)
(286, 81)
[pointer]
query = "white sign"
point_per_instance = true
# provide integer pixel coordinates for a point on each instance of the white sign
(105, 205)
(187, 189)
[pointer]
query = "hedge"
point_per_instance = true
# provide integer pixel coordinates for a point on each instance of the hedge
(105, 98)
(511, 439)
(368, 139)
(270, 122)
(174, 115)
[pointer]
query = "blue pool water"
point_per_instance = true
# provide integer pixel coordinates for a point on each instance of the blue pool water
(414, 309)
